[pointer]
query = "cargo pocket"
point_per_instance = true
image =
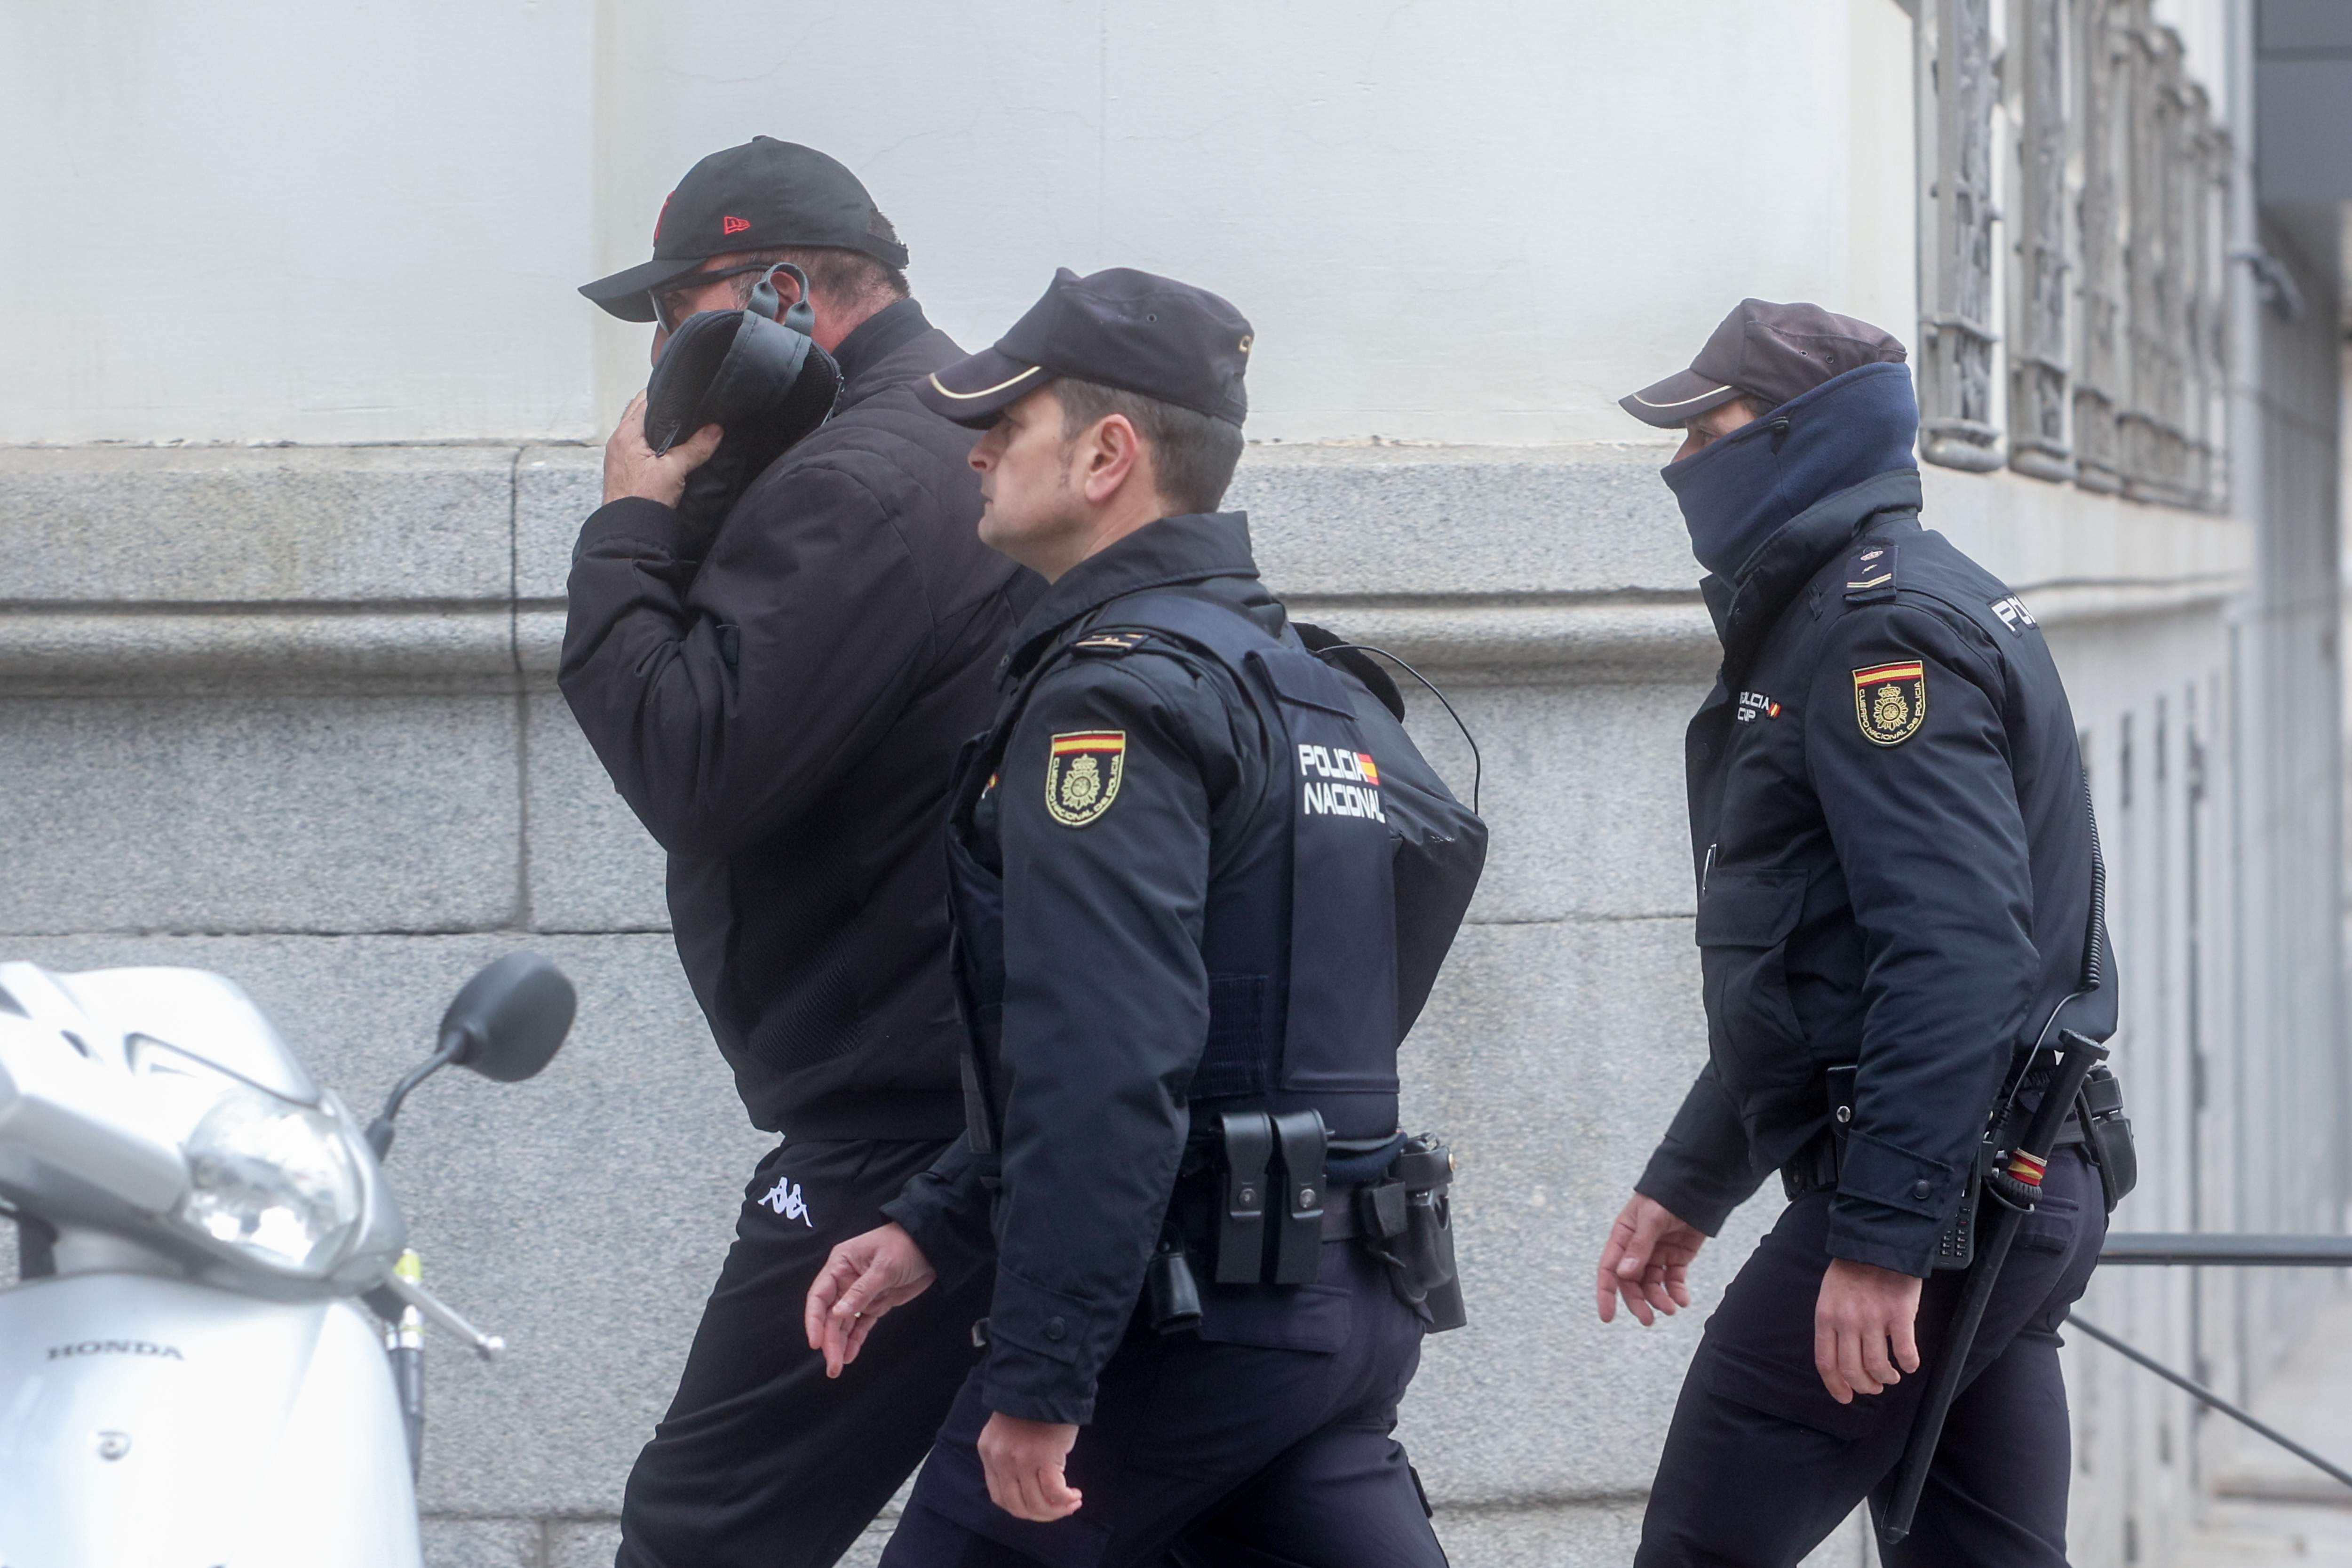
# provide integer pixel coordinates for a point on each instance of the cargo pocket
(2049, 1227)
(1744, 922)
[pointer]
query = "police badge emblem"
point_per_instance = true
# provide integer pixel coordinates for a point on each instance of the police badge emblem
(1082, 774)
(1890, 702)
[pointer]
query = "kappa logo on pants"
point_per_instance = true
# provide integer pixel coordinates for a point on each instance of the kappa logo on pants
(785, 1199)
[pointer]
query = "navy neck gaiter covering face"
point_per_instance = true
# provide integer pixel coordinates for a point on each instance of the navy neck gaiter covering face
(1739, 491)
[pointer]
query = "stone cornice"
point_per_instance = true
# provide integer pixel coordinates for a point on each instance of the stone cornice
(435, 568)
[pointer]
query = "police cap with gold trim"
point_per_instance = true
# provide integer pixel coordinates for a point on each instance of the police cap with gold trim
(1134, 331)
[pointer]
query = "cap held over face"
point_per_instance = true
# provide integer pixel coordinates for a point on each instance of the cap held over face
(758, 375)
(1768, 354)
(1134, 331)
(762, 196)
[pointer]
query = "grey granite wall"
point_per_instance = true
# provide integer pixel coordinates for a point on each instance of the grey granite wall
(288, 714)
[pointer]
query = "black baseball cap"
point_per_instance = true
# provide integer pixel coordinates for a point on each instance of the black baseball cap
(758, 196)
(1142, 333)
(1766, 352)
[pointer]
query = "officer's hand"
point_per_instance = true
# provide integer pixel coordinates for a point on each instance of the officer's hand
(1862, 1310)
(1024, 1462)
(866, 1277)
(632, 469)
(1647, 1262)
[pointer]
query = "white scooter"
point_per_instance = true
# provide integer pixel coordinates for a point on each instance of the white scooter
(187, 1378)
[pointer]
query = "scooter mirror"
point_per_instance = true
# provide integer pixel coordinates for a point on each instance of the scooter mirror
(509, 1020)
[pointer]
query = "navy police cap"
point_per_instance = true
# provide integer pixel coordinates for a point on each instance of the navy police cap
(1768, 352)
(1134, 331)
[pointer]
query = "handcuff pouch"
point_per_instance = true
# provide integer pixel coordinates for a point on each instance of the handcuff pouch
(1298, 1242)
(1247, 1150)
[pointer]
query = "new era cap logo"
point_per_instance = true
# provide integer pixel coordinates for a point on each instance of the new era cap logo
(733, 225)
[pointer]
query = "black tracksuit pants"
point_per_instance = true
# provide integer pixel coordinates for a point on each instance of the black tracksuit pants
(763, 1461)
(1761, 1463)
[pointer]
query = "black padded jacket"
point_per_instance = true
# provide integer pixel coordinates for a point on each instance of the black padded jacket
(781, 703)
(1894, 853)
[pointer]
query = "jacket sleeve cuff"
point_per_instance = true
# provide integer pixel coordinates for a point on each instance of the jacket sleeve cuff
(1695, 1196)
(1891, 1205)
(946, 1210)
(1700, 1170)
(1863, 1232)
(631, 525)
(1045, 1352)
(1015, 1382)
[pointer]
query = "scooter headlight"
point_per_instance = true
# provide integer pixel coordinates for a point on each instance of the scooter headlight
(270, 1180)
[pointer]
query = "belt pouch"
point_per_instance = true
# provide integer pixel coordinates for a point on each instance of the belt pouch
(1172, 1296)
(1248, 1137)
(1428, 1278)
(2100, 1108)
(1380, 1213)
(1298, 1244)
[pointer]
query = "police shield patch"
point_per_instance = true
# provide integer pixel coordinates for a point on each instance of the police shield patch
(1082, 774)
(1890, 702)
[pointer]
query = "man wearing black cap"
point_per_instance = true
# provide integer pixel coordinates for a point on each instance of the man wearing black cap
(1898, 903)
(777, 688)
(1177, 945)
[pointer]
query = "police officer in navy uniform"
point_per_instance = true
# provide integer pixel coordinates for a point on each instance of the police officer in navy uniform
(1174, 925)
(1899, 900)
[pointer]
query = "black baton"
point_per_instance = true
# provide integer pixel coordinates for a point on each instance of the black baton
(2014, 1188)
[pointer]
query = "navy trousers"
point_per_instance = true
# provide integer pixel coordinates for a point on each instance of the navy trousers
(1761, 1463)
(1261, 1443)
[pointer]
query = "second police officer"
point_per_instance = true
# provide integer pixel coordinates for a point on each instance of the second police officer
(1201, 883)
(1899, 904)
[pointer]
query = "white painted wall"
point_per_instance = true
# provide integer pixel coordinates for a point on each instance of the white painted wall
(272, 221)
(1475, 222)
(1480, 222)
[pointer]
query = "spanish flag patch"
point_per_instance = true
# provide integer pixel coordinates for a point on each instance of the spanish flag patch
(1890, 701)
(1082, 774)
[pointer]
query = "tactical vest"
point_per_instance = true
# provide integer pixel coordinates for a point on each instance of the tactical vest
(1302, 962)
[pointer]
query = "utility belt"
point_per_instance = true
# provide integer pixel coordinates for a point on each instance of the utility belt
(1260, 1194)
(2097, 1123)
